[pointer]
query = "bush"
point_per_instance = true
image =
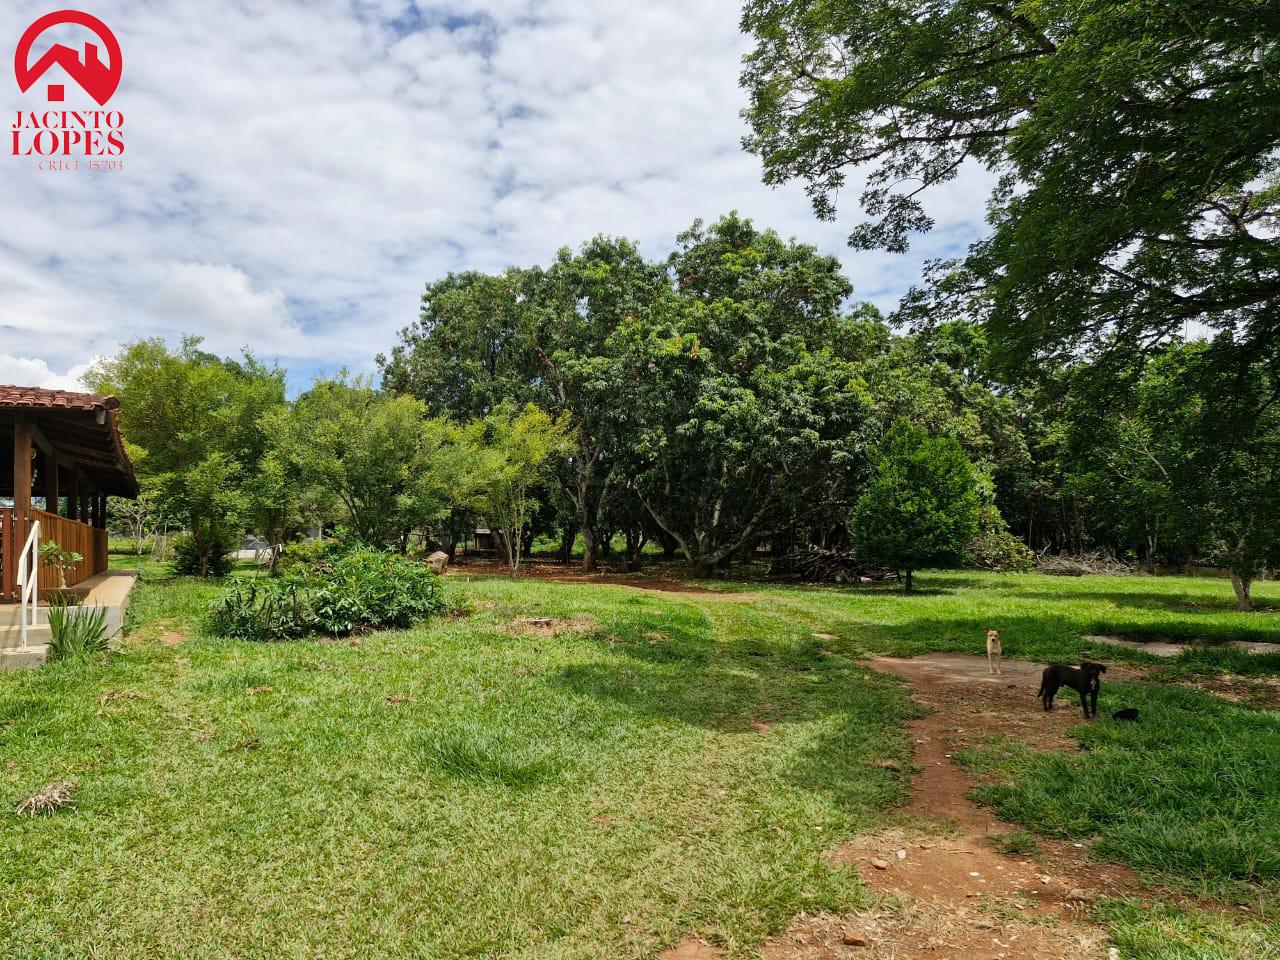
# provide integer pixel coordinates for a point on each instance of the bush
(188, 562)
(995, 548)
(358, 590)
(76, 631)
(372, 588)
(299, 557)
(263, 611)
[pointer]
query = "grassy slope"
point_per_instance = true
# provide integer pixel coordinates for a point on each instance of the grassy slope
(595, 795)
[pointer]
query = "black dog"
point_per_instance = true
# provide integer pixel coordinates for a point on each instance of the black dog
(1128, 713)
(1085, 680)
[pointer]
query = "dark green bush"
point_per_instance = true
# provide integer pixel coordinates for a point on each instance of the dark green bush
(263, 611)
(372, 588)
(359, 590)
(302, 556)
(187, 559)
(995, 548)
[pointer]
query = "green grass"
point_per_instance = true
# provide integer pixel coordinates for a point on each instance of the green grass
(460, 791)
(1189, 794)
(598, 794)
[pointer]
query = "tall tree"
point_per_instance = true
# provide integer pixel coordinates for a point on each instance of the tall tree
(745, 413)
(197, 416)
(921, 507)
(1135, 145)
(536, 336)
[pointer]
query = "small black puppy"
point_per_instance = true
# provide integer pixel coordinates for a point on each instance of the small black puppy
(1085, 680)
(1128, 713)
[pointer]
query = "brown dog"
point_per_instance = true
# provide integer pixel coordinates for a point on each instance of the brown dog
(993, 651)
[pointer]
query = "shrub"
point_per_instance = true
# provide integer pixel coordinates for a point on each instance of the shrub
(263, 611)
(995, 548)
(372, 588)
(76, 631)
(302, 556)
(357, 590)
(188, 562)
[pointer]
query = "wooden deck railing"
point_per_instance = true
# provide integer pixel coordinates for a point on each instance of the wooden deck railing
(15, 525)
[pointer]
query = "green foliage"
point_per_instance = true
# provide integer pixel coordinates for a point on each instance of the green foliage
(378, 459)
(197, 420)
(1188, 793)
(1135, 146)
(746, 410)
(921, 507)
(76, 631)
(262, 611)
(52, 555)
(994, 548)
(338, 594)
(214, 557)
(518, 451)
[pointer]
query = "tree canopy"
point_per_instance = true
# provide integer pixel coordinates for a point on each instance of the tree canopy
(1135, 145)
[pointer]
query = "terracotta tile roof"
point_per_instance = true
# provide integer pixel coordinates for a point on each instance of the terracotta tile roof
(114, 471)
(38, 398)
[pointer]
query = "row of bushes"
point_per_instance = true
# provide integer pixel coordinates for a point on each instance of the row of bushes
(332, 592)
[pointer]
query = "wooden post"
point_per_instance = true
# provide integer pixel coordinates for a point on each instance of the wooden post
(22, 464)
(84, 503)
(93, 509)
(73, 493)
(102, 511)
(50, 483)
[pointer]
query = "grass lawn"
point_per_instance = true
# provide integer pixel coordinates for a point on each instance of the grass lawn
(679, 764)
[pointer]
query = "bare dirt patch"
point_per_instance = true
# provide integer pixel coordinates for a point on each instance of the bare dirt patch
(559, 573)
(691, 949)
(957, 894)
(550, 626)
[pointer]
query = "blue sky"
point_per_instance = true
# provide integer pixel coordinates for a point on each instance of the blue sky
(295, 172)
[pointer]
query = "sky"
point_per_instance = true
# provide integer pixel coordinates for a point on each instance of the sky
(296, 172)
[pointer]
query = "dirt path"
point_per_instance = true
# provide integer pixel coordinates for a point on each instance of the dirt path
(963, 897)
(559, 573)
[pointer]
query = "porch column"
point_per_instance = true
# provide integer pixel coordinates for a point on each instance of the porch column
(93, 509)
(82, 511)
(73, 493)
(50, 483)
(22, 463)
(102, 511)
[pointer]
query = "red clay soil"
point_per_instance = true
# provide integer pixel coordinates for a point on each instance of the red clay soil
(947, 891)
(663, 582)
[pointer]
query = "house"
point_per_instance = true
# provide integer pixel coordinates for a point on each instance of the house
(61, 456)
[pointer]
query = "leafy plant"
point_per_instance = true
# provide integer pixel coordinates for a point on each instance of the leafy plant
(357, 590)
(209, 558)
(76, 631)
(921, 507)
(52, 555)
(262, 611)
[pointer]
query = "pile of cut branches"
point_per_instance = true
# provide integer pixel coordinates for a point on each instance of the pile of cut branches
(815, 565)
(1068, 565)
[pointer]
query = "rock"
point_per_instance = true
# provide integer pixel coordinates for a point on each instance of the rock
(890, 765)
(438, 562)
(1044, 878)
(1084, 896)
(880, 864)
(901, 854)
(853, 939)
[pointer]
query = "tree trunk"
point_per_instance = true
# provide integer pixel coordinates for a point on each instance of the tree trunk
(589, 548)
(704, 568)
(907, 586)
(1241, 585)
(566, 544)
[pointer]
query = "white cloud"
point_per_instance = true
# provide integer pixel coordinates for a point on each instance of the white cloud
(32, 372)
(295, 175)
